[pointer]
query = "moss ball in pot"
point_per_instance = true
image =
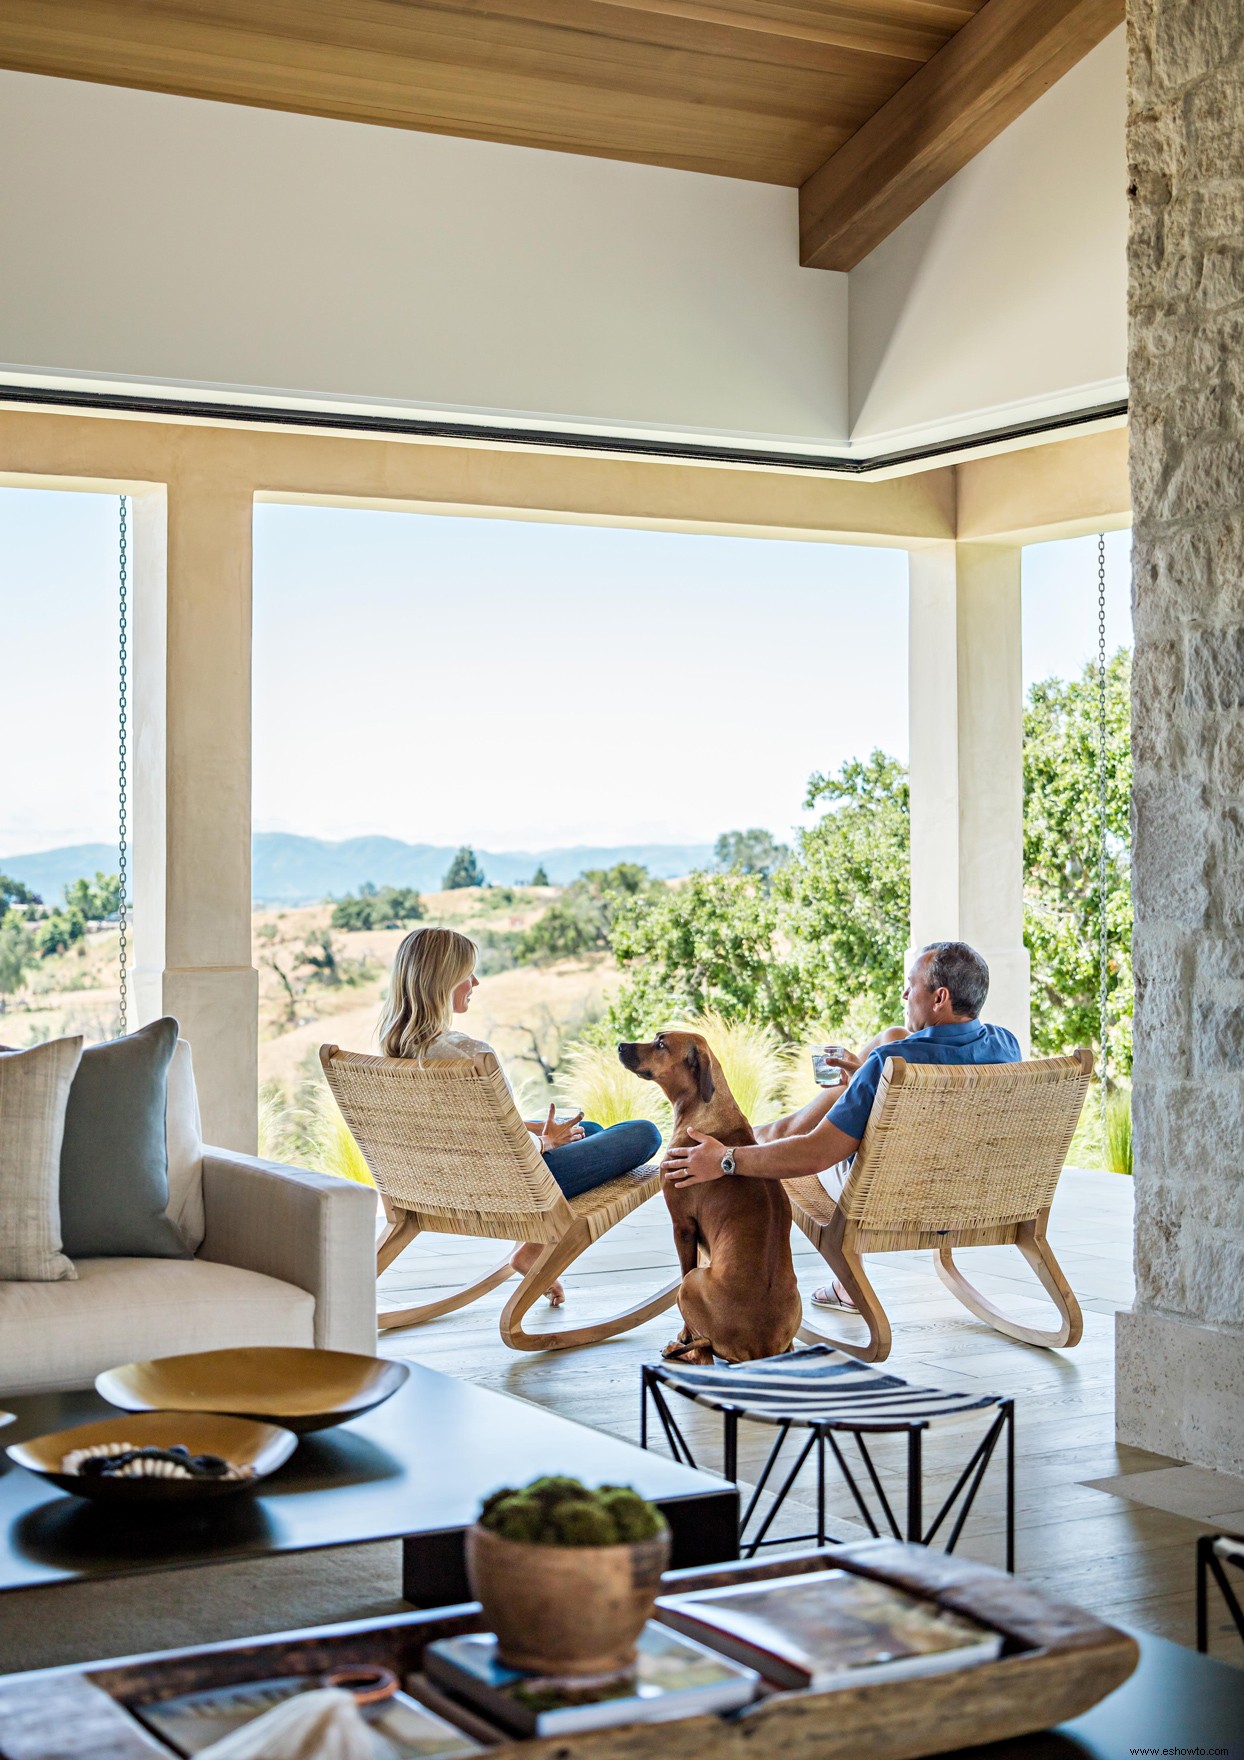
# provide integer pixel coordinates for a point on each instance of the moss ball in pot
(567, 1576)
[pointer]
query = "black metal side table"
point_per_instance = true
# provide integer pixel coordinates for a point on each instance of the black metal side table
(1215, 1552)
(837, 1400)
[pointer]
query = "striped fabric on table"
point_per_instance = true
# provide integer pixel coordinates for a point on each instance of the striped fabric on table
(819, 1386)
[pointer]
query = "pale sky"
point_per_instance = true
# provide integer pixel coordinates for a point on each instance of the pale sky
(498, 682)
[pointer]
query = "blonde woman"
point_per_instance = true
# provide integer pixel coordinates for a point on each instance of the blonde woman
(432, 981)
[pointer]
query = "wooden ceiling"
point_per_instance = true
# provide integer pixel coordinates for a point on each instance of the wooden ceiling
(770, 90)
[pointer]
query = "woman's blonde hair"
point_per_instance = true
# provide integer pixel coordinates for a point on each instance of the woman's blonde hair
(429, 966)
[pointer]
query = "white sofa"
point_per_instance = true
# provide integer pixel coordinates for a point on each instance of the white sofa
(282, 1257)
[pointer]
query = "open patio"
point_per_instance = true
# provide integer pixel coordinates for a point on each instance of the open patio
(1127, 1558)
(952, 279)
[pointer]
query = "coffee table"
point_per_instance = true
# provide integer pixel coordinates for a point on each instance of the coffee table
(1176, 1702)
(415, 1469)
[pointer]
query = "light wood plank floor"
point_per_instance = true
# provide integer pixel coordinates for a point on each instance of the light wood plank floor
(1123, 1561)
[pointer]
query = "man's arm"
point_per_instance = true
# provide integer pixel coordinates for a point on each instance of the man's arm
(788, 1157)
(798, 1124)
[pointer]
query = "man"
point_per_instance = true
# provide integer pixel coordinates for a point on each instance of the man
(944, 994)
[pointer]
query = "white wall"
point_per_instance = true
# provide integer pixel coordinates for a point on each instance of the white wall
(1004, 297)
(183, 242)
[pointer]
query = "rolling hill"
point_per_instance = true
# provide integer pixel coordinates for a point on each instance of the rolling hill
(302, 870)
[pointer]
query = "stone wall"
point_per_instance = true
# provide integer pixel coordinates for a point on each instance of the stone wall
(1181, 1350)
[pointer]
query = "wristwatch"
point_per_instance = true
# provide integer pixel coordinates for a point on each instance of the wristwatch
(727, 1162)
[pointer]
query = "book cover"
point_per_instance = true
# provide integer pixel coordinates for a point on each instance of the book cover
(828, 1629)
(400, 1728)
(674, 1676)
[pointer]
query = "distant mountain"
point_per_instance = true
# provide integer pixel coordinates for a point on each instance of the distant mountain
(49, 871)
(303, 870)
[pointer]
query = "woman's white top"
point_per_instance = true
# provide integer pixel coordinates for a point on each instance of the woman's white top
(454, 1045)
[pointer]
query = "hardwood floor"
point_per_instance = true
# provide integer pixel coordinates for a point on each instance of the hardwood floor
(1124, 1561)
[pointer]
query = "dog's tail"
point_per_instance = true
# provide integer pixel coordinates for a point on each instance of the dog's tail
(682, 1347)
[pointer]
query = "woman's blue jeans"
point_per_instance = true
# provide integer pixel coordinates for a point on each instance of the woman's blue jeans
(602, 1155)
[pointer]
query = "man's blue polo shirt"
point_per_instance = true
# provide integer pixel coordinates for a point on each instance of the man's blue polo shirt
(959, 1042)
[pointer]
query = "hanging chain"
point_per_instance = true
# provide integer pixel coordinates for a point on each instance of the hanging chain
(122, 780)
(1103, 952)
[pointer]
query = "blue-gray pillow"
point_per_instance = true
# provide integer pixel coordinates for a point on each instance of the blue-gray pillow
(114, 1158)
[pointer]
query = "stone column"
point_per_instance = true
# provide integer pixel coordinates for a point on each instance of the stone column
(191, 770)
(1181, 1349)
(967, 785)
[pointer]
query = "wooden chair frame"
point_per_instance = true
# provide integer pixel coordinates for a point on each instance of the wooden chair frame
(954, 1155)
(450, 1155)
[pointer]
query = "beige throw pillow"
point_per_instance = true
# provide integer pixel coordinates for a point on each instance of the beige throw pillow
(34, 1091)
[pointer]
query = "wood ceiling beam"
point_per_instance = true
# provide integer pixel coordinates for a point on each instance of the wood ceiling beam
(653, 85)
(987, 74)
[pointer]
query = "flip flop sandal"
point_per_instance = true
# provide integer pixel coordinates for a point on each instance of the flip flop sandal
(828, 1297)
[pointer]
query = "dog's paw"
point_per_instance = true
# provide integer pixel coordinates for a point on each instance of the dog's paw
(697, 1351)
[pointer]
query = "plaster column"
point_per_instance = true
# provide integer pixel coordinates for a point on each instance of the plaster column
(966, 768)
(191, 788)
(1180, 1351)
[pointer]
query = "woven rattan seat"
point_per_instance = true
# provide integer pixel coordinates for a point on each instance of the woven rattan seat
(450, 1155)
(953, 1155)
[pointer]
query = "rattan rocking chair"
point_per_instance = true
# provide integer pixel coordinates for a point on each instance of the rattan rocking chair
(953, 1155)
(450, 1155)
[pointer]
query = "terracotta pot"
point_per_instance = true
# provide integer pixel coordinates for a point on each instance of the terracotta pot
(572, 1610)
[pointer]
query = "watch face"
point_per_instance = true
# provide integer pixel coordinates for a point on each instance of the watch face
(727, 1162)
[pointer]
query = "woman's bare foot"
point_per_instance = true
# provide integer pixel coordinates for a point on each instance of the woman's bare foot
(524, 1257)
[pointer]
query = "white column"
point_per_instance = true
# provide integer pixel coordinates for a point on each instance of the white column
(191, 788)
(966, 768)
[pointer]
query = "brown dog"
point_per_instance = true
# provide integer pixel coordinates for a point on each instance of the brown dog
(743, 1302)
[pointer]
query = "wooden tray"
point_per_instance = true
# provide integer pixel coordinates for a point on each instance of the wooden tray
(1057, 1661)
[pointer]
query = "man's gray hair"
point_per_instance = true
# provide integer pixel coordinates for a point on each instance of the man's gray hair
(956, 967)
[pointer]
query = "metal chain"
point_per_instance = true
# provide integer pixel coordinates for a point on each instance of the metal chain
(123, 784)
(1103, 953)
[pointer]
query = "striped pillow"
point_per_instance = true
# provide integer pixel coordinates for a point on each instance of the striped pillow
(34, 1091)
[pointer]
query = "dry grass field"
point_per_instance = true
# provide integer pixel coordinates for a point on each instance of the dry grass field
(525, 1011)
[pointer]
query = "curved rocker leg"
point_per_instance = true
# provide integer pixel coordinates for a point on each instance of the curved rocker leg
(396, 1238)
(848, 1268)
(470, 1292)
(552, 1262)
(1031, 1241)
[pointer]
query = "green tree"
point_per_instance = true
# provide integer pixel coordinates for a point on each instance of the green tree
(464, 870)
(386, 907)
(827, 938)
(320, 955)
(713, 941)
(580, 921)
(354, 912)
(753, 852)
(97, 901)
(58, 932)
(1062, 879)
(540, 877)
(17, 951)
(13, 892)
(848, 891)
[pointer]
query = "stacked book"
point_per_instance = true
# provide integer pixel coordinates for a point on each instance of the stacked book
(708, 1651)
(715, 1650)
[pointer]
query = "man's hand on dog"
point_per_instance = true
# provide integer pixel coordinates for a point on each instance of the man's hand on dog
(695, 1164)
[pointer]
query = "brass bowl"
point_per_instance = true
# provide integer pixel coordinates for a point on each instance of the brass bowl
(238, 1440)
(301, 1390)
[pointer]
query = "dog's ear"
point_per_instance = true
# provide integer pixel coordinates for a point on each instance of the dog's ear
(703, 1072)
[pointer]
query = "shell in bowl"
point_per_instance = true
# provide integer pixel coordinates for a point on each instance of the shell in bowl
(254, 1450)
